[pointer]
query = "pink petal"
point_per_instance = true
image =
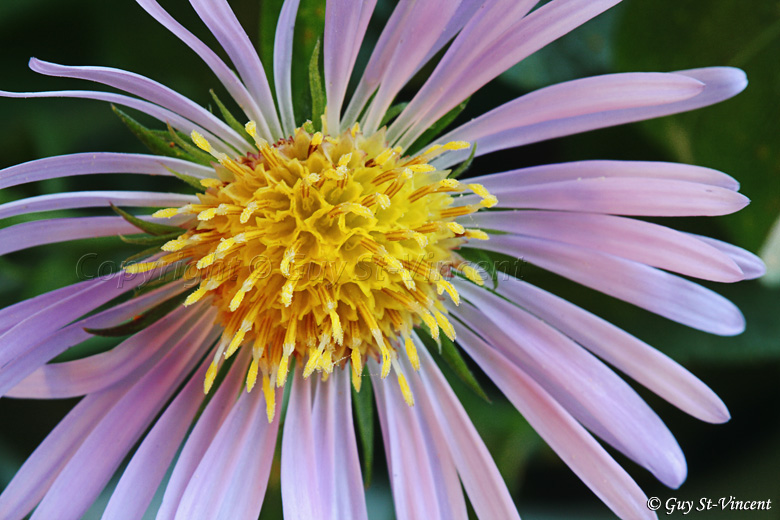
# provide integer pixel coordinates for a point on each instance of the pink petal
(36, 475)
(151, 91)
(161, 114)
(625, 196)
(283, 52)
(225, 75)
(582, 170)
(300, 489)
(231, 479)
(421, 472)
(94, 163)
(571, 99)
(101, 453)
(51, 231)
(587, 388)
(336, 464)
(202, 435)
(394, 33)
(43, 322)
(486, 489)
(405, 45)
(751, 265)
(721, 83)
(91, 199)
(146, 469)
(580, 451)
(13, 314)
(636, 240)
(128, 360)
(531, 33)
(657, 291)
(633, 357)
(223, 24)
(64, 338)
(345, 25)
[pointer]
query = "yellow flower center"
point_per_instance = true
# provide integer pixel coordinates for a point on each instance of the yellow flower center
(326, 248)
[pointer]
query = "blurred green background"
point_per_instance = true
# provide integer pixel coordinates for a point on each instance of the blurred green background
(740, 137)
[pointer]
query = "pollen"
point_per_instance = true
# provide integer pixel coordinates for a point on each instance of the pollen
(326, 250)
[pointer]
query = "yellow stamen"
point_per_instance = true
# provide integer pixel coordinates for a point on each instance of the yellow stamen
(270, 398)
(211, 374)
(251, 376)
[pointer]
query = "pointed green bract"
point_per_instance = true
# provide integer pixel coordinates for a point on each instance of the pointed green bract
(317, 89)
(437, 128)
(392, 113)
(148, 240)
(230, 119)
(482, 259)
(188, 179)
(146, 253)
(154, 140)
(451, 356)
(185, 142)
(460, 170)
(364, 412)
(148, 227)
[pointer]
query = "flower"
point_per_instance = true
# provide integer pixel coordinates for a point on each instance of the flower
(323, 250)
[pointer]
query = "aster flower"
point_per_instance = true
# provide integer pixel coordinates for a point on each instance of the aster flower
(323, 250)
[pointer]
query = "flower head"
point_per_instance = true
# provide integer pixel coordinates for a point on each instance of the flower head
(324, 249)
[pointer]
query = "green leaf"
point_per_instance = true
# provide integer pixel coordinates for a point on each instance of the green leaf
(482, 259)
(148, 240)
(230, 119)
(153, 140)
(392, 112)
(364, 413)
(437, 128)
(738, 136)
(141, 321)
(460, 170)
(148, 227)
(316, 88)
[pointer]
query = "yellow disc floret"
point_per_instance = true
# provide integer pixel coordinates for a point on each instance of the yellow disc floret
(328, 249)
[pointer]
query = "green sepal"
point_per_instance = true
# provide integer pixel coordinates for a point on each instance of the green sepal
(196, 155)
(363, 402)
(230, 119)
(141, 321)
(148, 240)
(482, 259)
(437, 128)
(457, 172)
(451, 356)
(392, 113)
(148, 227)
(146, 253)
(316, 88)
(188, 179)
(152, 139)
